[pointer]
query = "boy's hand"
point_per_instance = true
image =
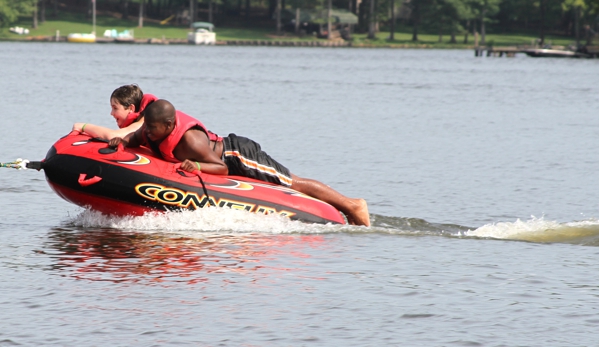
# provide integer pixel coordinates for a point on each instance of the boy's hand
(78, 127)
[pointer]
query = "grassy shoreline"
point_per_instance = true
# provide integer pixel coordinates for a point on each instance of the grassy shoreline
(76, 23)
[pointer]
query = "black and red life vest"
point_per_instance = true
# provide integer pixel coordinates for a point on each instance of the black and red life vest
(183, 122)
(133, 116)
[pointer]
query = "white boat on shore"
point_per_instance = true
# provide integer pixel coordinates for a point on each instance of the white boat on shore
(125, 36)
(203, 34)
(19, 30)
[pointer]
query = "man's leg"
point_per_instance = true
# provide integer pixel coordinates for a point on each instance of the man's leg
(356, 210)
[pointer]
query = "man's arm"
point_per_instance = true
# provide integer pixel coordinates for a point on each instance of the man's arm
(193, 148)
(130, 140)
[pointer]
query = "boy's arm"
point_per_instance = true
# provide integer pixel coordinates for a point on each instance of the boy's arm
(103, 132)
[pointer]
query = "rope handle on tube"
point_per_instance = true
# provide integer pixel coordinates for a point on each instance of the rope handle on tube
(197, 173)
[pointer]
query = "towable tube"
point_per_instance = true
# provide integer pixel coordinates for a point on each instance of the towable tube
(133, 181)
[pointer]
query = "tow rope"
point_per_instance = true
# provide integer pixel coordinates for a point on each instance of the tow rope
(23, 164)
(19, 164)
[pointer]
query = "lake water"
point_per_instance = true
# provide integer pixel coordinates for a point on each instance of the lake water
(480, 174)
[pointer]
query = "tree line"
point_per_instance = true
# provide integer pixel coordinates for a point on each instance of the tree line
(559, 17)
(578, 19)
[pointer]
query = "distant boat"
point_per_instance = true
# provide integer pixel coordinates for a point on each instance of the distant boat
(82, 38)
(125, 36)
(19, 30)
(552, 53)
(203, 34)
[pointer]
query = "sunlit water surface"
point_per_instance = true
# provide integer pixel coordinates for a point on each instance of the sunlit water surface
(480, 175)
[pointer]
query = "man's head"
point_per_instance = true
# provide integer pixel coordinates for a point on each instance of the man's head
(159, 119)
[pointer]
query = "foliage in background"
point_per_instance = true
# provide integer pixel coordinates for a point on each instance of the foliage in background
(253, 19)
(10, 10)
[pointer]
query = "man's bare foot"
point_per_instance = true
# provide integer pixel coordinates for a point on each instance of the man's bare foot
(359, 213)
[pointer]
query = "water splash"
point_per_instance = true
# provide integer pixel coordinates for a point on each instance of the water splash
(217, 221)
(541, 230)
(202, 221)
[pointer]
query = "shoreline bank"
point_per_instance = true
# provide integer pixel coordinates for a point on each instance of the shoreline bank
(479, 51)
(278, 43)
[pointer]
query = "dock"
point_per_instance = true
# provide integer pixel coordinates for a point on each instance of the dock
(497, 51)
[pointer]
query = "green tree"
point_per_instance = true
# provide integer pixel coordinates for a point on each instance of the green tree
(576, 7)
(593, 26)
(460, 11)
(447, 15)
(542, 15)
(593, 7)
(371, 19)
(484, 10)
(10, 10)
(418, 7)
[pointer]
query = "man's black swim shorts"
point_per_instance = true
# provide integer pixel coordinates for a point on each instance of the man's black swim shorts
(244, 157)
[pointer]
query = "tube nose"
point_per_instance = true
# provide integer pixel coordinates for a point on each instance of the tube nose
(36, 165)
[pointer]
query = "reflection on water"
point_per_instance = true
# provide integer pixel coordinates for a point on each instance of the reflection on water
(148, 250)
(120, 256)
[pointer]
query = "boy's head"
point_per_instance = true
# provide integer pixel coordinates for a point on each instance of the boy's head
(128, 95)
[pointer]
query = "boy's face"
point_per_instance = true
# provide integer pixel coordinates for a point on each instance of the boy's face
(157, 131)
(120, 112)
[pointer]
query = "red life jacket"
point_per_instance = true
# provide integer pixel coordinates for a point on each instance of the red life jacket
(131, 117)
(183, 122)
